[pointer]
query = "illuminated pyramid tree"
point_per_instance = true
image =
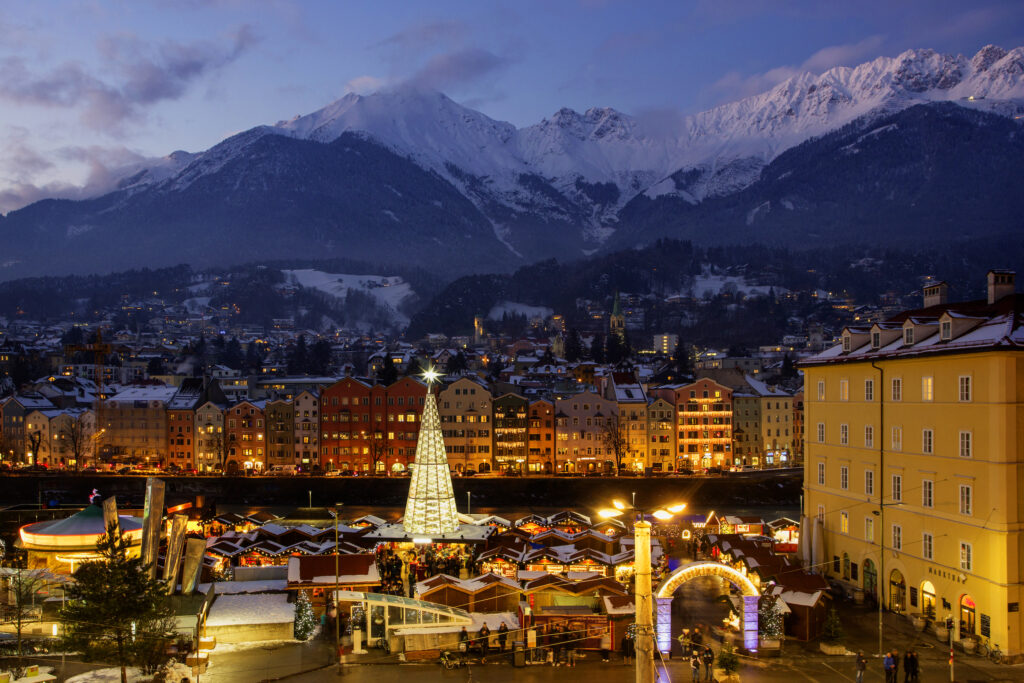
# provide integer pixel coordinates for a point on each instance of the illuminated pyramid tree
(430, 508)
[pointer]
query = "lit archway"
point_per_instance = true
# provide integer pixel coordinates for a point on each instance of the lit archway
(694, 570)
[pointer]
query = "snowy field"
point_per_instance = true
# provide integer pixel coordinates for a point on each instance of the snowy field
(514, 308)
(388, 291)
(708, 283)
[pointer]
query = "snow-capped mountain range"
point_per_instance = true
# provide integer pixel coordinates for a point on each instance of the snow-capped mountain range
(728, 145)
(574, 177)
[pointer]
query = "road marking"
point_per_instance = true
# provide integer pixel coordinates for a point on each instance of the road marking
(839, 673)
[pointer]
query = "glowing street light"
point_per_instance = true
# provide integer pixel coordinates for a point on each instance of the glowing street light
(642, 571)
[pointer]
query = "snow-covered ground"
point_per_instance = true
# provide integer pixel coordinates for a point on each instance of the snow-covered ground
(110, 675)
(197, 305)
(388, 291)
(515, 308)
(711, 284)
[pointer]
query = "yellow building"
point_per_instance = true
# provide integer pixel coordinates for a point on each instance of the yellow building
(464, 407)
(914, 445)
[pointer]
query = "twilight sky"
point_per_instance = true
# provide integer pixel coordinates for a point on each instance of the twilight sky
(88, 85)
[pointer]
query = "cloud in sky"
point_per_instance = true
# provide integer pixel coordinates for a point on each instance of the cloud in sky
(735, 85)
(23, 163)
(366, 84)
(143, 76)
(427, 35)
(451, 70)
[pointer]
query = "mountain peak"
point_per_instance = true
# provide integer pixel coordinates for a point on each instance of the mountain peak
(986, 57)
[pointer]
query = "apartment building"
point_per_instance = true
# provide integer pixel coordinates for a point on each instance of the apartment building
(464, 407)
(913, 460)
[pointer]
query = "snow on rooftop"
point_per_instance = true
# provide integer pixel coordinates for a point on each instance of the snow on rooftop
(259, 608)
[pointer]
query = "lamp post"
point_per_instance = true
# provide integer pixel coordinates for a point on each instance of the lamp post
(336, 512)
(644, 634)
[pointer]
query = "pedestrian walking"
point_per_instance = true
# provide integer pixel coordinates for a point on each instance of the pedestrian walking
(862, 665)
(708, 657)
(895, 665)
(627, 648)
(606, 645)
(695, 665)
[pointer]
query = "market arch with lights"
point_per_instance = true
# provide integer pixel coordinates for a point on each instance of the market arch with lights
(693, 570)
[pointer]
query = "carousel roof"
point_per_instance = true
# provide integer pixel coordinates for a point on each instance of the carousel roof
(80, 529)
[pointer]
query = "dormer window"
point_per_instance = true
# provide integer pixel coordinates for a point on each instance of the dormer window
(846, 343)
(876, 340)
(908, 336)
(946, 330)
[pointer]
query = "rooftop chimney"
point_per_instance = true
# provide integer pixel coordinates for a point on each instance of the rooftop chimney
(1000, 284)
(936, 294)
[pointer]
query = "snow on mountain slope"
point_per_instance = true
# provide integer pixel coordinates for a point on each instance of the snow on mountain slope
(583, 168)
(388, 292)
(763, 126)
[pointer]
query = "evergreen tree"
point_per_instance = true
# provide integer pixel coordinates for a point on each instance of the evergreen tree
(573, 346)
(597, 349)
(232, 355)
(156, 367)
(413, 368)
(728, 660)
(298, 357)
(305, 621)
(681, 357)
(114, 612)
(769, 617)
(456, 363)
(613, 352)
(833, 628)
(253, 357)
(788, 369)
(388, 374)
(321, 358)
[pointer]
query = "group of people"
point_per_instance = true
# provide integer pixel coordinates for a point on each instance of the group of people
(483, 639)
(400, 570)
(705, 656)
(891, 666)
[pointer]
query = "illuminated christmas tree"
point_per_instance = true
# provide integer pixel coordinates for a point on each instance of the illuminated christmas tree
(305, 620)
(430, 508)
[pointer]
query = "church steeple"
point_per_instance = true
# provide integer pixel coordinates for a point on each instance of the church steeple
(617, 321)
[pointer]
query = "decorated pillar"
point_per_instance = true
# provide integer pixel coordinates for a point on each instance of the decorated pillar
(749, 623)
(664, 626)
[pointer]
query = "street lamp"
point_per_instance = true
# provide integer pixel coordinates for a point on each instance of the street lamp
(642, 572)
(335, 513)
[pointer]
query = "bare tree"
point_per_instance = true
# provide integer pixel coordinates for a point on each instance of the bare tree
(379, 444)
(23, 585)
(76, 439)
(614, 440)
(34, 439)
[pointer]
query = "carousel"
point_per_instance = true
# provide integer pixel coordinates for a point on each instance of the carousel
(60, 545)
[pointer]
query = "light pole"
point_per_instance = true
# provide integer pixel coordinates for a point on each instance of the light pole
(336, 512)
(644, 634)
(467, 503)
